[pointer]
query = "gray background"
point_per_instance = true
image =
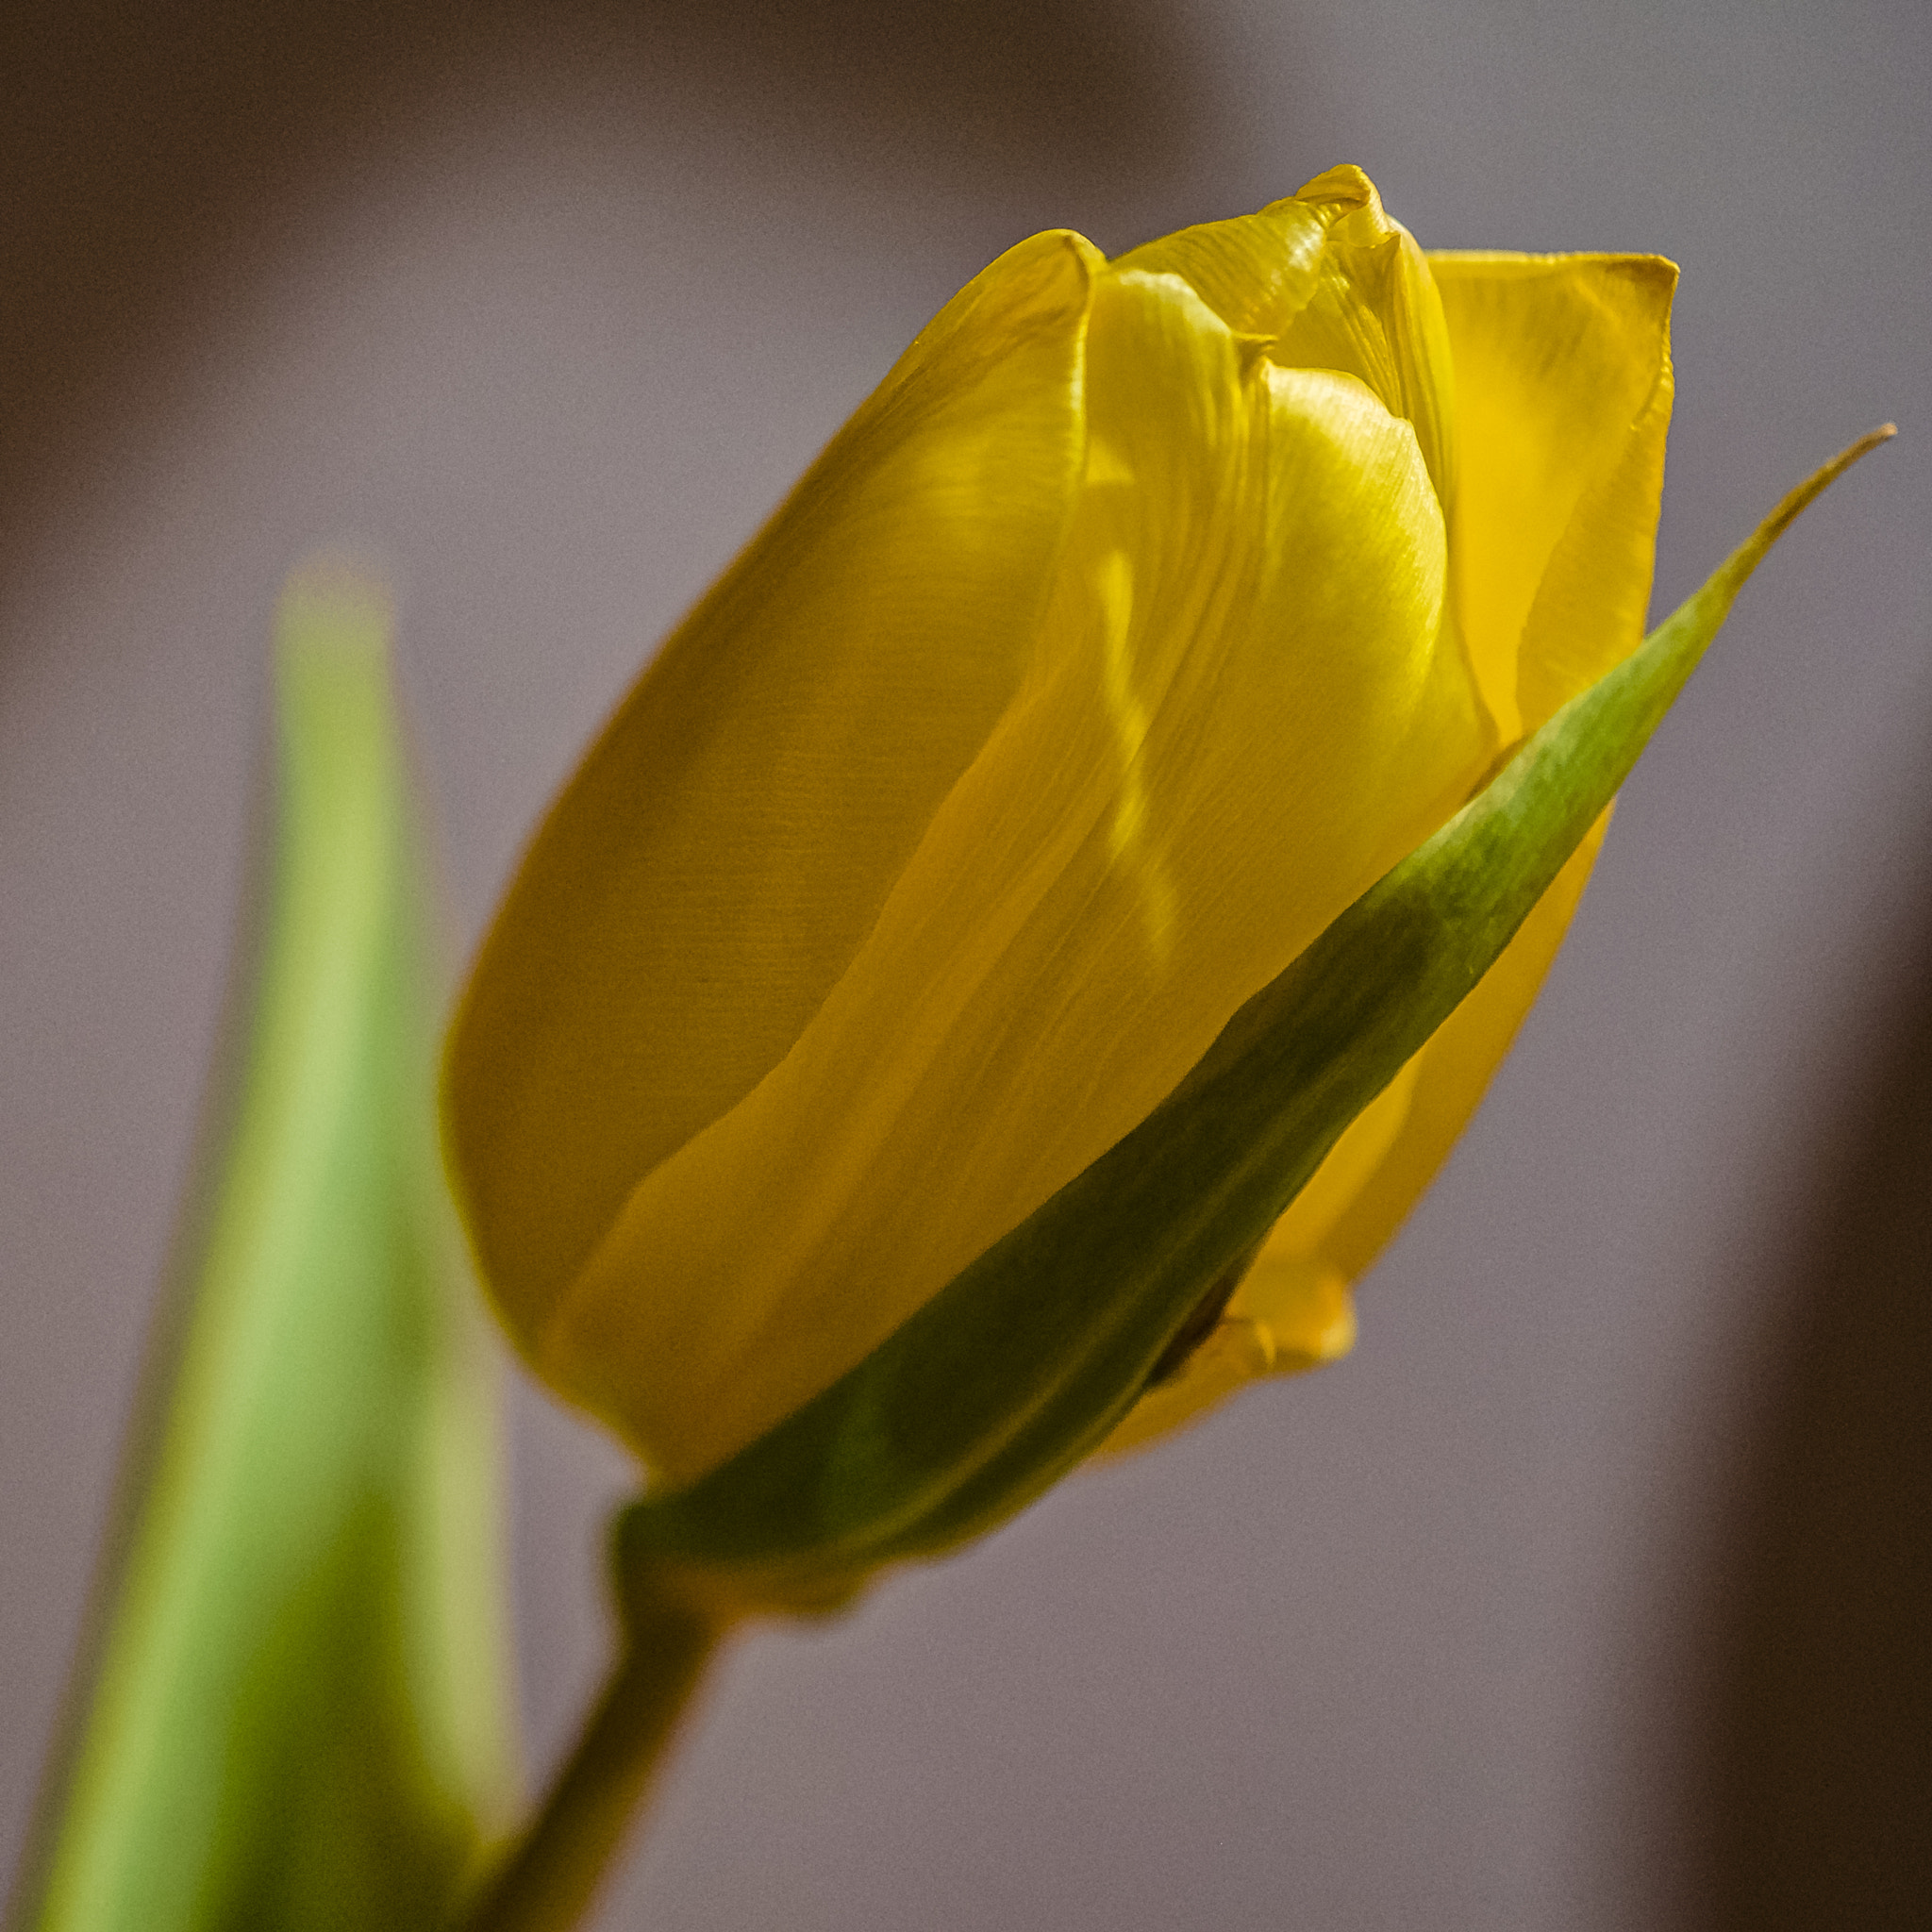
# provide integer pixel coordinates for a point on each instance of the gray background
(1588, 1593)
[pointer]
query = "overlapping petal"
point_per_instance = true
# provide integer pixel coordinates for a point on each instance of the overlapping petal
(729, 841)
(1326, 280)
(1242, 708)
(1563, 389)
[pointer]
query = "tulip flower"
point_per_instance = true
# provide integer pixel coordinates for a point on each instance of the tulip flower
(1146, 615)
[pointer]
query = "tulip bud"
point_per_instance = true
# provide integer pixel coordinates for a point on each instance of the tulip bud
(980, 831)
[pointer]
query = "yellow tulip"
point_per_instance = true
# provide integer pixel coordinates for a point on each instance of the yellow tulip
(1146, 614)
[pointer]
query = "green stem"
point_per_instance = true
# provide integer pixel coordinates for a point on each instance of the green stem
(548, 1881)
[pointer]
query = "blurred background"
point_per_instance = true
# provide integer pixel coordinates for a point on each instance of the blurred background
(1594, 1591)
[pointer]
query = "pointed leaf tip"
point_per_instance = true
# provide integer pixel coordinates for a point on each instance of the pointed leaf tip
(1730, 577)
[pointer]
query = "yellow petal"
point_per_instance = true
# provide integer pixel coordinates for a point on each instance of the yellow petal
(729, 841)
(1376, 313)
(1563, 394)
(1292, 1310)
(1256, 272)
(1243, 708)
(1328, 281)
(1301, 1308)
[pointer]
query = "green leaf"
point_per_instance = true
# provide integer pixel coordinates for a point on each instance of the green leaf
(300, 1716)
(1022, 1365)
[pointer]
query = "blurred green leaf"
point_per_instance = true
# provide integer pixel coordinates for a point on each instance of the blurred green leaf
(300, 1716)
(1023, 1363)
